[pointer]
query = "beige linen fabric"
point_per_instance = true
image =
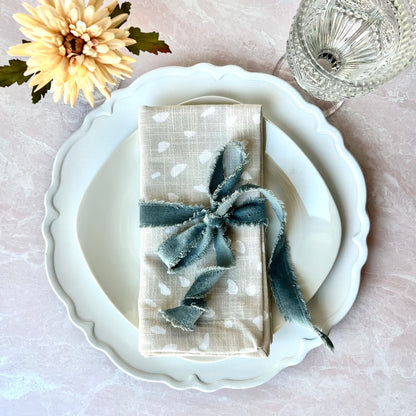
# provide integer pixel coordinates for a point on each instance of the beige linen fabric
(177, 147)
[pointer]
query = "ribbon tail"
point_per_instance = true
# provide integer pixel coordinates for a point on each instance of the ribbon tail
(286, 292)
(193, 305)
(283, 282)
(325, 338)
(184, 316)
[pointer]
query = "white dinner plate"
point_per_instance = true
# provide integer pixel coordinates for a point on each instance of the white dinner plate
(76, 270)
(109, 236)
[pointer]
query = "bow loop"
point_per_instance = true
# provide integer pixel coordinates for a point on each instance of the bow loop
(183, 249)
(252, 212)
(169, 213)
(226, 171)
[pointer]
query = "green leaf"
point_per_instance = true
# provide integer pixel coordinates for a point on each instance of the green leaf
(9, 74)
(120, 9)
(147, 42)
(124, 8)
(38, 95)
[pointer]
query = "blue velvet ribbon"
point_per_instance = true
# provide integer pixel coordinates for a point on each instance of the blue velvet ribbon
(207, 228)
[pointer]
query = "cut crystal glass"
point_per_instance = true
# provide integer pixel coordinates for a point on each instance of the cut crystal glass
(338, 49)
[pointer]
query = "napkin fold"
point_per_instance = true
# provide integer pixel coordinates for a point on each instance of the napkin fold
(177, 147)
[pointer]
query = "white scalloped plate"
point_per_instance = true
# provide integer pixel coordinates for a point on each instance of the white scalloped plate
(88, 306)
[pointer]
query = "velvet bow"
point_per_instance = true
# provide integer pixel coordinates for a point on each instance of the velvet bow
(229, 206)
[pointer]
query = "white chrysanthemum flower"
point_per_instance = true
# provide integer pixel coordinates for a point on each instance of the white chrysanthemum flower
(75, 45)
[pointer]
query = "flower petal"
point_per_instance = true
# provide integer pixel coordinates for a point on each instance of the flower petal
(18, 50)
(31, 10)
(59, 6)
(104, 24)
(74, 15)
(46, 2)
(26, 20)
(90, 64)
(88, 17)
(106, 74)
(94, 31)
(88, 96)
(58, 89)
(111, 6)
(128, 59)
(102, 48)
(119, 19)
(96, 3)
(115, 44)
(129, 41)
(111, 57)
(73, 94)
(42, 79)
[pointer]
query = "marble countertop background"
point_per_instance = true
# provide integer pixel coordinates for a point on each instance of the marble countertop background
(47, 366)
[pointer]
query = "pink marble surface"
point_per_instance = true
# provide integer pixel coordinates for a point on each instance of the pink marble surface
(46, 365)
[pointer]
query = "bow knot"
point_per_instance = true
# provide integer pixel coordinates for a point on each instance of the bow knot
(213, 220)
(209, 227)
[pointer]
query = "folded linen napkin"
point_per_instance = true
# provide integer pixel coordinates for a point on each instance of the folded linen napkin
(177, 145)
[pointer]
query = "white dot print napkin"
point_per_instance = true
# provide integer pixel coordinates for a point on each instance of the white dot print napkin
(177, 147)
